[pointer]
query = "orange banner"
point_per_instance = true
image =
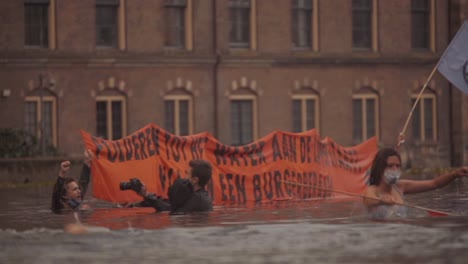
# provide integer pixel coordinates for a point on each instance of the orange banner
(241, 174)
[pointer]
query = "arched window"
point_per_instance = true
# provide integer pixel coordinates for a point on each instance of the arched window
(365, 114)
(425, 116)
(111, 109)
(178, 112)
(305, 112)
(40, 108)
(41, 117)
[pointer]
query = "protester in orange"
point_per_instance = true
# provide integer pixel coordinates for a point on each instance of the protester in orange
(386, 188)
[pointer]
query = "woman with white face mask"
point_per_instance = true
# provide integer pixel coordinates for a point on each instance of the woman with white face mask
(386, 188)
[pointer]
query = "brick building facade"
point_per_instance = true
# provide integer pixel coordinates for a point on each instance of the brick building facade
(238, 69)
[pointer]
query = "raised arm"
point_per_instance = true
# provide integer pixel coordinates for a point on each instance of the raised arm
(411, 186)
(57, 192)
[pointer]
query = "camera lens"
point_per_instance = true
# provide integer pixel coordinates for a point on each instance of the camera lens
(125, 186)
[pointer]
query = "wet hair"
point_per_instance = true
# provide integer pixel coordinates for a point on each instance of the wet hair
(202, 170)
(380, 163)
(66, 181)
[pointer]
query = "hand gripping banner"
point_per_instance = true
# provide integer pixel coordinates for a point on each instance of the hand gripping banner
(251, 173)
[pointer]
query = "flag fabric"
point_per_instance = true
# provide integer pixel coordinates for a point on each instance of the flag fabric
(454, 62)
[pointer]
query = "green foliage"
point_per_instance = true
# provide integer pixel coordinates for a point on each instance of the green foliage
(16, 143)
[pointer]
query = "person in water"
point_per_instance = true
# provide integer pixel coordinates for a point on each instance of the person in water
(185, 195)
(68, 193)
(385, 187)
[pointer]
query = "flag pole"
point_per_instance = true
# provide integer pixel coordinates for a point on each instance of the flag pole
(402, 133)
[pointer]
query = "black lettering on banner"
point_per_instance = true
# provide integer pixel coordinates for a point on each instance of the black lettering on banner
(307, 189)
(167, 136)
(128, 148)
(200, 148)
(259, 152)
(232, 198)
(267, 185)
(279, 192)
(155, 137)
(335, 154)
(240, 187)
(219, 152)
(98, 146)
(276, 149)
(135, 147)
(320, 185)
(292, 145)
(142, 140)
(162, 177)
(184, 142)
(314, 183)
(233, 158)
(305, 181)
(243, 154)
(256, 188)
(223, 187)
(299, 187)
(315, 149)
(149, 142)
(110, 157)
(311, 180)
(119, 150)
(287, 186)
(193, 148)
(303, 149)
(294, 187)
(175, 148)
(249, 149)
(285, 148)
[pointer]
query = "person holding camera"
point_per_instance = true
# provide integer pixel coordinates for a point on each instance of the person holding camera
(185, 195)
(68, 193)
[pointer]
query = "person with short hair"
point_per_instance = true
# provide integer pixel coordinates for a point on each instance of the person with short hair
(68, 193)
(185, 195)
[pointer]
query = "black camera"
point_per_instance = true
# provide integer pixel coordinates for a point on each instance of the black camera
(133, 184)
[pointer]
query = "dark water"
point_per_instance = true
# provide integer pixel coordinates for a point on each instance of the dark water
(326, 231)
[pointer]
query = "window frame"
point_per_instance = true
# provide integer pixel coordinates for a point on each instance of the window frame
(373, 28)
(50, 27)
(120, 30)
(252, 42)
(109, 99)
(253, 99)
(303, 98)
(177, 99)
(363, 98)
(420, 106)
(38, 109)
(431, 42)
(187, 42)
(298, 9)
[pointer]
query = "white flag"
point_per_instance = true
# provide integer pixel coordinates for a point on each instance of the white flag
(454, 63)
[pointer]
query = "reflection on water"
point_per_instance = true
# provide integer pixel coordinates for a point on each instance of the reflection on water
(331, 231)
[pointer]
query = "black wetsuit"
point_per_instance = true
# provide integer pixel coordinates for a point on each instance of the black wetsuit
(57, 201)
